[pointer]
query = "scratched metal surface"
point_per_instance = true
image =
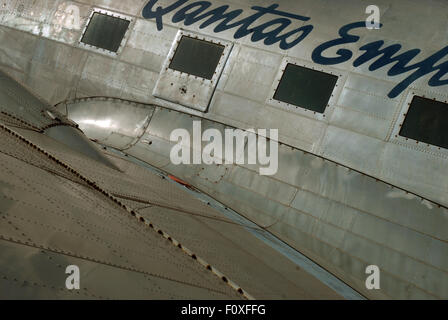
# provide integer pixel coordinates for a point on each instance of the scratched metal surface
(342, 219)
(41, 49)
(196, 225)
(46, 214)
(18, 104)
(60, 207)
(358, 131)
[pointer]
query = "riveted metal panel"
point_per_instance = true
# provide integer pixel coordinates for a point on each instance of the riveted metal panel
(197, 57)
(123, 121)
(305, 87)
(249, 74)
(411, 140)
(306, 76)
(360, 126)
(427, 121)
(363, 152)
(106, 32)
(148, 48)
(327, 211)
(419, 174)
(190, 90)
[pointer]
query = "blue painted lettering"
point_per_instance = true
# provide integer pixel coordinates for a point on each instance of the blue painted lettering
(274, 31)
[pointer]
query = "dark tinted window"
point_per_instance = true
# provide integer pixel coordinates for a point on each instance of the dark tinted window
(105, 32)
(305, 88)
(427, 121)
(197, 57)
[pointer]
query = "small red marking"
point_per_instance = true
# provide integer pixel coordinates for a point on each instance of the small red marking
(179, 181)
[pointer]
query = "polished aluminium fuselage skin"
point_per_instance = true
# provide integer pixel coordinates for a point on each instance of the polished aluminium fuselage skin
(350, 191)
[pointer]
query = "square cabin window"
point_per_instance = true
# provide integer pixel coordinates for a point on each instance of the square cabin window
(197, 57)
(305, 88)
(105, 32)
(427, 121)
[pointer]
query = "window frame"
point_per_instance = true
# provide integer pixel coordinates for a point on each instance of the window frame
(111, 14)
(412, 143)
(219, 68)
(202, 89)
(299, 109)
(200, 40)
